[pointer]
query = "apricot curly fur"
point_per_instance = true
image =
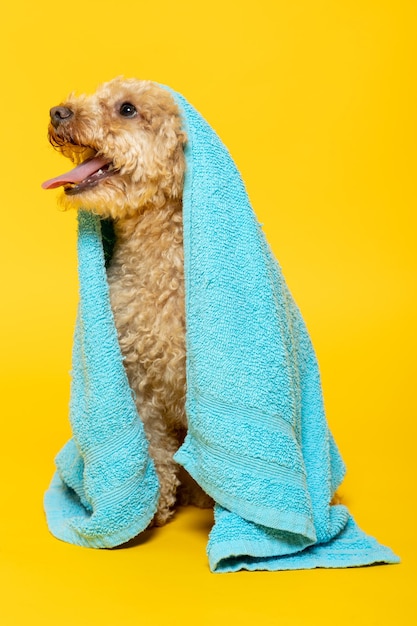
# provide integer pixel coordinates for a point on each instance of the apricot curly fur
(146, 274)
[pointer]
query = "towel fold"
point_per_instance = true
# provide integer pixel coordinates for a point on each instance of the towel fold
(105, 490)
(257, 441)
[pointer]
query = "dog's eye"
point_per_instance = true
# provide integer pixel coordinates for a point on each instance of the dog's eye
(128, 110)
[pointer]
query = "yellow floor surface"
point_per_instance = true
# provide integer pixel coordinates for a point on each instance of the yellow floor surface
(163, 576)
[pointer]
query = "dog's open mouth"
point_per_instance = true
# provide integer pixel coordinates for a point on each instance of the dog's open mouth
(84, 176)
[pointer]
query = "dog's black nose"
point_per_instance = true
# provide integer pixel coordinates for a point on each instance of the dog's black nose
(60, 114)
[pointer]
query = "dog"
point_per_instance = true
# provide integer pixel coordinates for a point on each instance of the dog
(128, 142)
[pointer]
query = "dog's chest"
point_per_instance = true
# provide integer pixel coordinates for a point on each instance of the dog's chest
(146, 281)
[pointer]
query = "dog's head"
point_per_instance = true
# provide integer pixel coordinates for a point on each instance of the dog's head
(127, 142)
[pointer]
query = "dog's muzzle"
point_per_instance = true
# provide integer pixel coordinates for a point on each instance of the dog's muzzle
(91, 171)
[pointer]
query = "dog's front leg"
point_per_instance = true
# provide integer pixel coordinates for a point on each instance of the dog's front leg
(163, 443)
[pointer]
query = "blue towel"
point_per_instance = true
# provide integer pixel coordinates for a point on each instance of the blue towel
(257, 441)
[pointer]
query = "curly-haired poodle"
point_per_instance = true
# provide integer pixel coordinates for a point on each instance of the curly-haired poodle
(129, 142)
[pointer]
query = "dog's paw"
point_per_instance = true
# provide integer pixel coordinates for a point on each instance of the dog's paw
(162, 517)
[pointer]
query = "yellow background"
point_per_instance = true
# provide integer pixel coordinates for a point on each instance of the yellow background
(316, 100)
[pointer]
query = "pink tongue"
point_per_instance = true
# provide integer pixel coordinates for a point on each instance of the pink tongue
(78, 174)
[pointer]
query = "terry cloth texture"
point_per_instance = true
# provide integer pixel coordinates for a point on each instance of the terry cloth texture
(257, 441)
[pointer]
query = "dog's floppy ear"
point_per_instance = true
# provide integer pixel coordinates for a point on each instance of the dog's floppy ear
(169, 144)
